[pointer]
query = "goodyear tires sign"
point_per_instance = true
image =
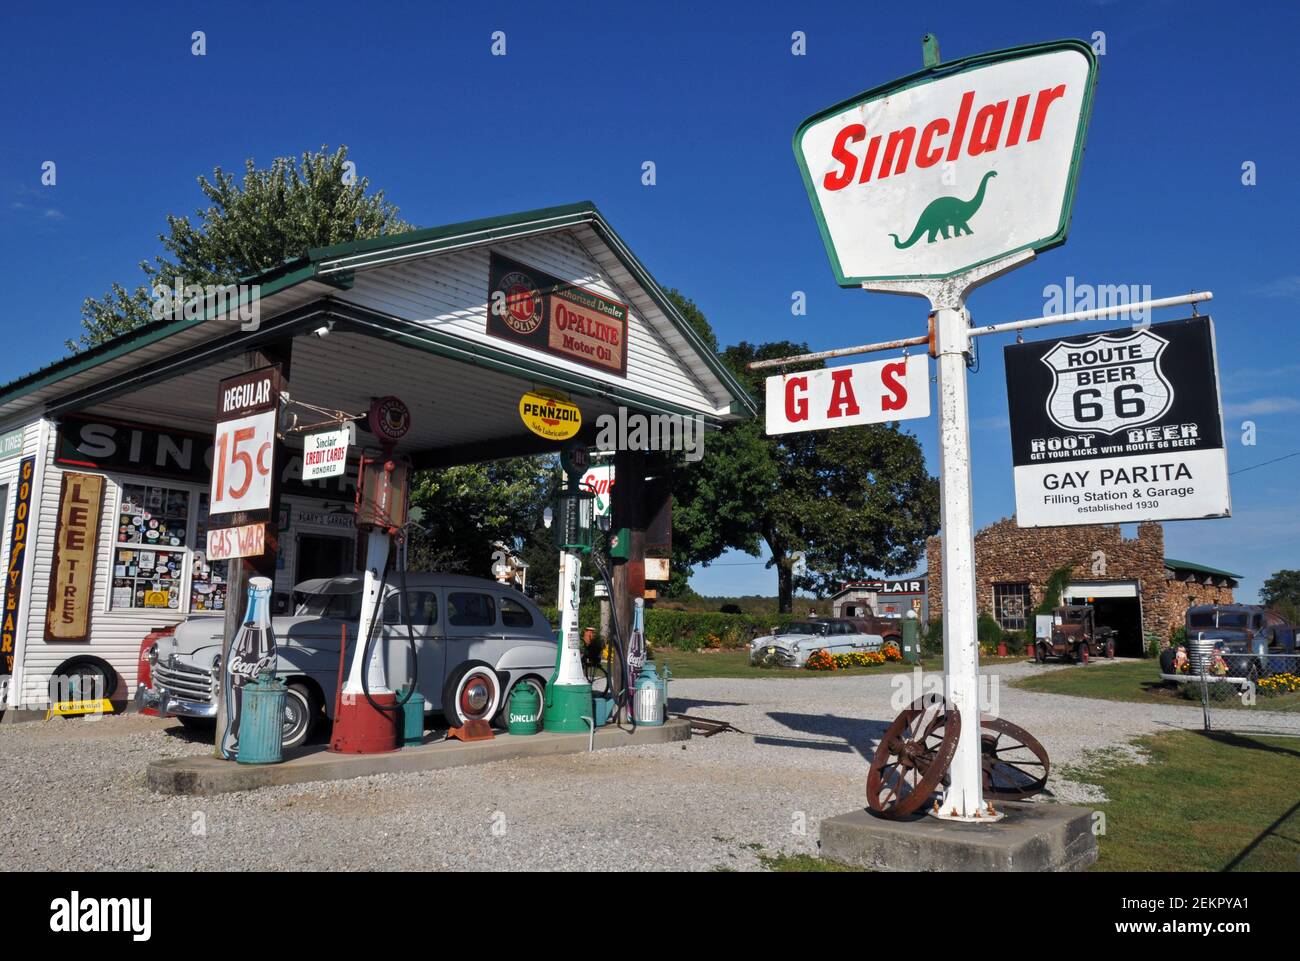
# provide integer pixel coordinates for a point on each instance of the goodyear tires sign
(1120, 426)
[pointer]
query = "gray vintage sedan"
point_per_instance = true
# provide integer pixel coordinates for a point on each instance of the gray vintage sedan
(791, 645)
(476, 640)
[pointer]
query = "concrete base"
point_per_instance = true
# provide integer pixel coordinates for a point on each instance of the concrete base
(209, 775)
(1032, 837)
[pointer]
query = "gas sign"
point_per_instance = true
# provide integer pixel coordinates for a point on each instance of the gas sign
(244, 448)
(952, 167)
(868, 393)
(1120, 426)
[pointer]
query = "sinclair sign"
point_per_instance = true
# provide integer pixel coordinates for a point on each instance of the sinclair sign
(953, 167)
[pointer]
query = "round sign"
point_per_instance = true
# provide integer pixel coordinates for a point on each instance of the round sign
(389, 419)
(575, 458)
(523, 302)
(550, 414)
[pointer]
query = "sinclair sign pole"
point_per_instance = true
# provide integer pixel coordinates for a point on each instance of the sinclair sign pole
(930, 186)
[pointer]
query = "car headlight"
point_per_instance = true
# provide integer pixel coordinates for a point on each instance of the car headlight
(152, 655)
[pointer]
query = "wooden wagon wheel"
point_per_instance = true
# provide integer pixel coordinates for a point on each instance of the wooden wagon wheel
(913, 757)
(1015, 765)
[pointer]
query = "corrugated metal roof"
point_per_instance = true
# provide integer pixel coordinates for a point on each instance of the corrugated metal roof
(1178, 565)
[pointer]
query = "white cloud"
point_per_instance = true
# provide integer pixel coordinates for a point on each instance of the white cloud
(1286, 287)
(1262, 406)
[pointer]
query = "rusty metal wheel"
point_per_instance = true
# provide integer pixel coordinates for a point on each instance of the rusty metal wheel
(1015, 764)
(913, 757)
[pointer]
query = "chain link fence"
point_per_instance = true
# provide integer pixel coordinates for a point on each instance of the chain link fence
(1243, 693)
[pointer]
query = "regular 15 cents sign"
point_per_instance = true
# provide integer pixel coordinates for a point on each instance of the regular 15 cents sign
(1120, 426)
(243, 454)
(952, 167)
(869, 393)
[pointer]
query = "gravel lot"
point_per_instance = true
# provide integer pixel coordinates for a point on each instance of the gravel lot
(77, 798)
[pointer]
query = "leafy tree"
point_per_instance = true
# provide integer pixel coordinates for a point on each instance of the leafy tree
(274, 215)
(471, 508)
(852, 501)
(1281, 592)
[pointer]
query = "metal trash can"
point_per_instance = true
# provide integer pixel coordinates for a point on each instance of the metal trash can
(651, 700)
(1200, 653)
(412, 718)
(911, 639)
(524, 710)
(261, 729)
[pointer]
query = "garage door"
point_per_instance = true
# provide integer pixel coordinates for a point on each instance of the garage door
(1118, 605)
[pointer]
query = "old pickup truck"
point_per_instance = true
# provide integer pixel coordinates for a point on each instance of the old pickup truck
(1076, 636)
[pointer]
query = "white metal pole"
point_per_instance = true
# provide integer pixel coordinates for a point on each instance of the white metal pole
(964, 799)
(376, 557)
(569, 666)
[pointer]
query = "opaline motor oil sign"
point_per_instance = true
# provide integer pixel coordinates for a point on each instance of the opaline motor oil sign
(1120, 426)
(529, 306)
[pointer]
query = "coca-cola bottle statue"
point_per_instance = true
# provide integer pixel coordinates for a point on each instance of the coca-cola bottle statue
(251, 652)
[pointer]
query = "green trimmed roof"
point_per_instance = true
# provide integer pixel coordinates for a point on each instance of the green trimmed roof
(326, 264)
(1178, 565)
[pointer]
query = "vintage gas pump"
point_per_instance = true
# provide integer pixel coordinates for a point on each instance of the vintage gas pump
(369, 712)
(568, 693)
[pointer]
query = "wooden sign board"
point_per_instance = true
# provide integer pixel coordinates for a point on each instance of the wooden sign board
(72, 580)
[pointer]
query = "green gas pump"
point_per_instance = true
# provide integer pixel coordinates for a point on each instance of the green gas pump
(568, 705)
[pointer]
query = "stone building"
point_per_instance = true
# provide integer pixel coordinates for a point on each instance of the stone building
(1133, 586)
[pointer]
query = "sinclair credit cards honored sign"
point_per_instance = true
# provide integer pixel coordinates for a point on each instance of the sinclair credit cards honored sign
(529, 306)
(952, 167)
(1120, 426)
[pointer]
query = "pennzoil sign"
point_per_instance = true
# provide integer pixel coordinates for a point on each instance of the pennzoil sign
(550, 414)
(530, 307)
(952, 167)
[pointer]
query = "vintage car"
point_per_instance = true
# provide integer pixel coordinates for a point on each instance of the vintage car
(1252, 641)
(1076, 636)
(791, 645)
(476, 641)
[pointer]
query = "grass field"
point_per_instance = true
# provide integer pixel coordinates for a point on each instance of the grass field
(1136, 681)
(1203, 802)
(736, 664)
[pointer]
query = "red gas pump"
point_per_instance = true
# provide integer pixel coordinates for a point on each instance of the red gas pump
(368, 716)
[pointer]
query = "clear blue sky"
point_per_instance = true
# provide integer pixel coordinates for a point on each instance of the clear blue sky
(1188, 92)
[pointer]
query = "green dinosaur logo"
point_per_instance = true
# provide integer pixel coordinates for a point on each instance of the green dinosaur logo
(946, 213)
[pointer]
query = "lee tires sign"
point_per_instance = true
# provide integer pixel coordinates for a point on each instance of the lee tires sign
(936, 173)
(1120, 426)
(869, 393)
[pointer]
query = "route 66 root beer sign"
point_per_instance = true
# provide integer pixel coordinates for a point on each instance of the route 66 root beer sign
(955, 166)
(528, 306)
(1120, 426)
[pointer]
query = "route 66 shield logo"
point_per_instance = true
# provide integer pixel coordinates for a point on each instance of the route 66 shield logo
(1108, 383)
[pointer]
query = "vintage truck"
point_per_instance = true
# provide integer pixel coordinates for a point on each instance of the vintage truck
(1076, 636)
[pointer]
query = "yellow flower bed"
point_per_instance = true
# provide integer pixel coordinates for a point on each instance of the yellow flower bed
(822, 660)
(1279, 684)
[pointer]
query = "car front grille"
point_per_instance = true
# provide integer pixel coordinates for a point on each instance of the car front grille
(184, 680)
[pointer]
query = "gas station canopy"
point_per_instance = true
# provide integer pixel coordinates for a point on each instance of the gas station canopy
(407, 315)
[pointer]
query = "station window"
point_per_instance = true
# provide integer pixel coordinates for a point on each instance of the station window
(149, 556)
(1010, 604)
(208, 582)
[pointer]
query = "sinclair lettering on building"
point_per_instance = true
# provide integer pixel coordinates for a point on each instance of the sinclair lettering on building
(1120, 426)
(937, 173)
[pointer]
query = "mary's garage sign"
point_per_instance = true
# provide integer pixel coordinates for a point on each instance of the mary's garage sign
(1120, 426)
(952, 167)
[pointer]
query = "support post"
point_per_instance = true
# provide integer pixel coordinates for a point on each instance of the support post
(240, 569)
(627, 505)
(964, 798)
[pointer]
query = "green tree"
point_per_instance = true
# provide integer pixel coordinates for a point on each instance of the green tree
(274, 215)
(1281, 593)
(470, 509)
(852, 501)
